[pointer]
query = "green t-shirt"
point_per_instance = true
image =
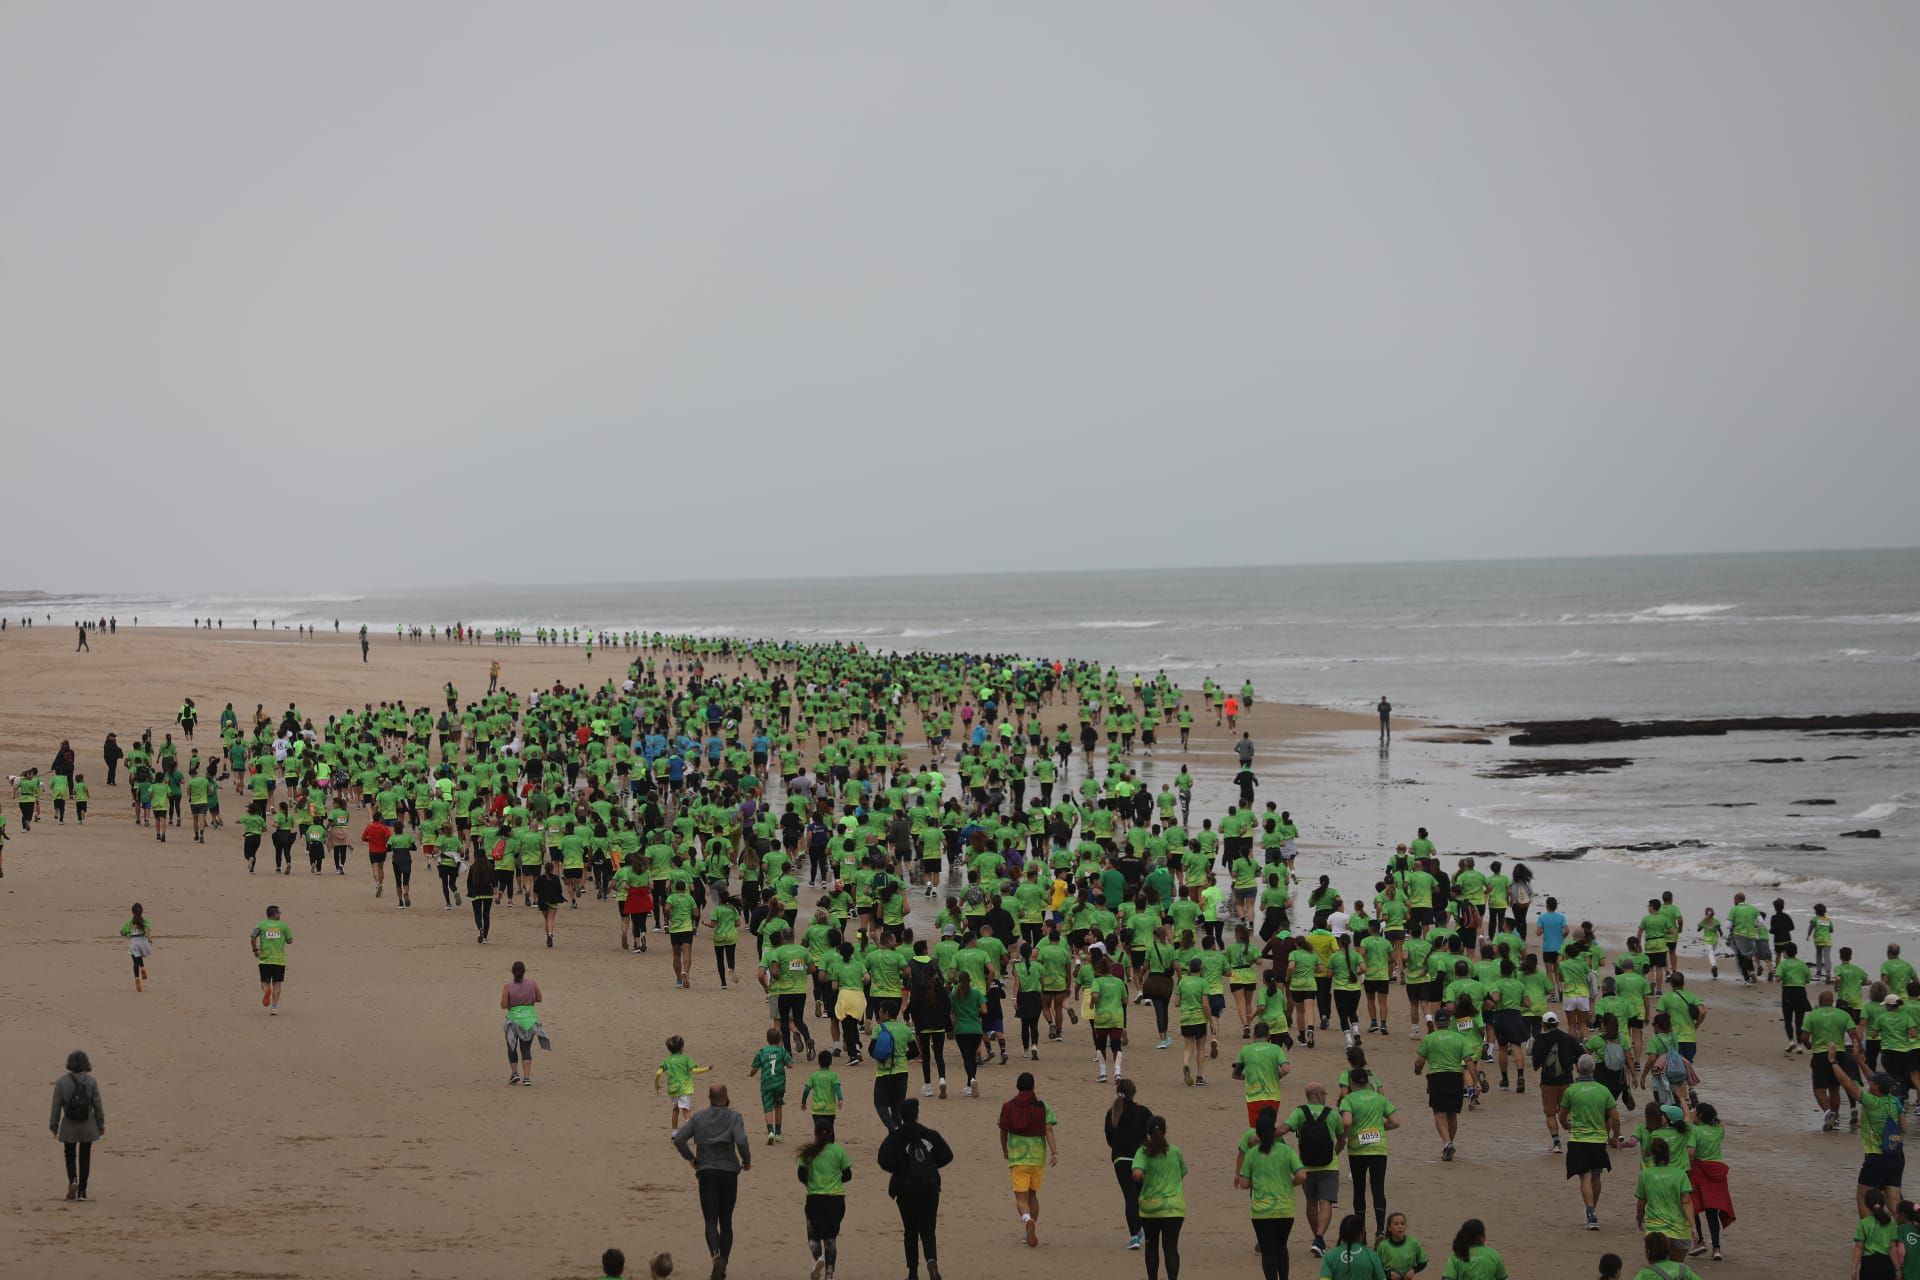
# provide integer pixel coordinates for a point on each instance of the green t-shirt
(788, 966)
(1588, 1103)
(827, 1174)
(1022, 1149)
(679, 1072)
(1365, 1112)
(1406, 1256)
(1302, 1116)
(273, 936)
(823, 1094)
(1662, 1187)
(1481, 1263)
(1879, 1116)
(1260, 1063)
(1443, 1052)
(771, 1065)
(1163, 1188)
(1827, 1028)
(1192, 991)
(1272, 1194)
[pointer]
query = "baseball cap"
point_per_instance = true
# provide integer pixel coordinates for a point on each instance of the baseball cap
(1551, 1017)
(1892, 1002)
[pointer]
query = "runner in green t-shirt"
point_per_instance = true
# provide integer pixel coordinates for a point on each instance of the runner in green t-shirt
(270, 940)
(770, 1065)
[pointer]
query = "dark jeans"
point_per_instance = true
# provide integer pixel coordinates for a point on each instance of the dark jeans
(1272, 1234)
(718, 1192)
(1129, 1192)
(482, 914)
(79, 1162)
(919, 1218)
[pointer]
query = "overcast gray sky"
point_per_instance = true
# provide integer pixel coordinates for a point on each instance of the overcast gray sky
(348, 295)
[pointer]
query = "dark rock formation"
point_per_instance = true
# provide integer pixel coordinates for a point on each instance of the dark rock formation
(1553, 733)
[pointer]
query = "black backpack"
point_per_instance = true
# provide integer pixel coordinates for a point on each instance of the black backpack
(921, 1171)
(79, 1104)
(1316, 1143)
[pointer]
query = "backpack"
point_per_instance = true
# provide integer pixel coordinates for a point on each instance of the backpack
(1615, 1056)
(882, 1045)
(921, 1171)
(1316, 1143)
(78, 1107)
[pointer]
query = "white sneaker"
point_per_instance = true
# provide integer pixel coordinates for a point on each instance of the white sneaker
(926, 1091)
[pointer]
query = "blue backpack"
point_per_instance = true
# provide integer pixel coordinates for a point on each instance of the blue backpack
(882, 1046)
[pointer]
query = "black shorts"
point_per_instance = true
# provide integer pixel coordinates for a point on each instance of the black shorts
(1375, 986)
(1396, 936)
(1509, 1027)
(1794, 999)
(1196, 1032)
(575, 873)
(1587, 1157)
(1824, 1076)
(1656, 959)
(824, 1215)
(1883, 1170)
(1105, 1037)
(273, 973)
(681, 937)
(377, 859)
(1446, 1090)
(199, 808)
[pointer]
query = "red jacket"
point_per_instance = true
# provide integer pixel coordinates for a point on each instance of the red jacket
(376, 835)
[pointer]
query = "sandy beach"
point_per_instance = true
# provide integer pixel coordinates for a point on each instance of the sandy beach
(365, 1131)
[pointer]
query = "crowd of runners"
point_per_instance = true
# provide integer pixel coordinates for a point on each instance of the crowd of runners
(944, 866)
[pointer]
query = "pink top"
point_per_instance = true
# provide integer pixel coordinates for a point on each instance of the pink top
(526, 991)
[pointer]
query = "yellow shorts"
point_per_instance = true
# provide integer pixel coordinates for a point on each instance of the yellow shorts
(1027, 1177)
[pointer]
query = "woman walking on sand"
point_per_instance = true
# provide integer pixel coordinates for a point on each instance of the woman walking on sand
(480, 896)
(520, 998)
(79, 1120)
(139, 935)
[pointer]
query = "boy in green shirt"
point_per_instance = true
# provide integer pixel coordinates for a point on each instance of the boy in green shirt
(822, 1096)
(770, 1065)
(679, 1071)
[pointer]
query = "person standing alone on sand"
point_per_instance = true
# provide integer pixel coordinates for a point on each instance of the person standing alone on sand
(78, 1121)
(1386, 720)
(270, 940)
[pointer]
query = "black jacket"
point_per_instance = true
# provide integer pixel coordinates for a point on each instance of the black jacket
(893, 1154)
(1127, 1137)
(1555, 1054)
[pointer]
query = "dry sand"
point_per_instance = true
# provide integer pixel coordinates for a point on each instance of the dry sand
(367, 1131)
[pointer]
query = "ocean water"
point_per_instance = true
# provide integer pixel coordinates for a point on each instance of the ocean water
(1466, 643)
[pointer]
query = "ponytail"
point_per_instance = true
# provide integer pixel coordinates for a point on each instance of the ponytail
(1123, 1092)
(1156, 1144)
(1471, 1233)
(1266, 1126)
(1876, 1205)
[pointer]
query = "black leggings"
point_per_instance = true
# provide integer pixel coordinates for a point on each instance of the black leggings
(250, 848)
(933, 1051)
(723, 955)
(1163, 1236)
(719, 1189)
(79, 1162)
(1713, 1225)
(483, 914)
(1028, 1011)
(1129, 1193)
(1272, 1234)
(793, 1010)
(1160, 1014)
(919, 1219)
(1363, 1170)
(283, 848)
(449, 883)
(969, 1052)
(1348, 1004)
(850, 1037)
(519, 1051)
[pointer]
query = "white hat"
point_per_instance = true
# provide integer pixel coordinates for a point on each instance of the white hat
(1551, 1016)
